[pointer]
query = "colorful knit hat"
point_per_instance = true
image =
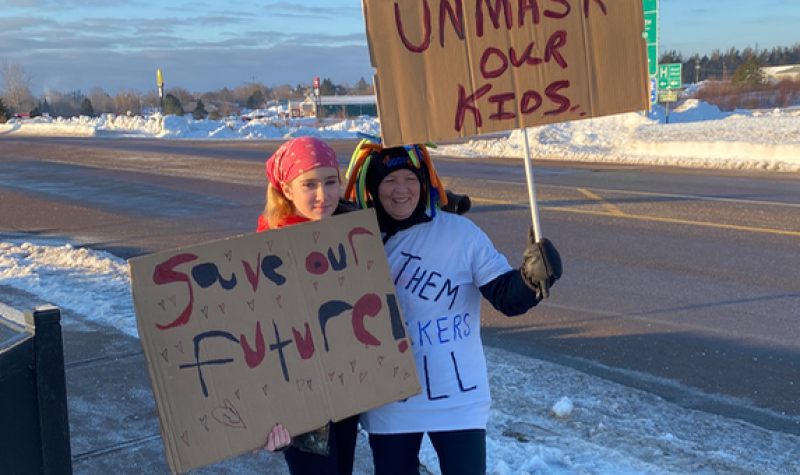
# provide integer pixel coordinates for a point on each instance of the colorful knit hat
(371, 162)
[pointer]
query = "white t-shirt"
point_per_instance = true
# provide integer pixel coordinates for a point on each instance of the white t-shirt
(437, 269)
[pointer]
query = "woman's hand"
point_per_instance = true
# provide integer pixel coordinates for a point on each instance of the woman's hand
(541, 264)
(278, 439)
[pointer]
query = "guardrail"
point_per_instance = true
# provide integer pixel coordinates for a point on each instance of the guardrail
(34, 427)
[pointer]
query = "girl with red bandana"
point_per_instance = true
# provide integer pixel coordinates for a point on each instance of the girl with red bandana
(304, 186)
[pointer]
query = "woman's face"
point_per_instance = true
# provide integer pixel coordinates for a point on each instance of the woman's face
(315, 193)
(399, 193)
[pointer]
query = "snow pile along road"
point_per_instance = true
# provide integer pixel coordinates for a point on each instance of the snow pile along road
(698, 135)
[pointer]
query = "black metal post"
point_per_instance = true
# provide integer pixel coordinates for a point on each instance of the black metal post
(19, 424)
(51, 390)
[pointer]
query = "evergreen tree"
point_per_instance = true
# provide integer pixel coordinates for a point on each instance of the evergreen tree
(256, 100)
(172, 106)
(44, 106)
(671, 57)
(86, 107)
(748, 74)
(326, 87)
(199, 111)
(361, 86)
(35, 112)
(3, 112)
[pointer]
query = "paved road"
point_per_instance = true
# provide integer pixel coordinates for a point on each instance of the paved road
(670, 275)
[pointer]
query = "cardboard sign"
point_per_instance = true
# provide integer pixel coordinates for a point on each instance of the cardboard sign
(299, 325)
(457, 68)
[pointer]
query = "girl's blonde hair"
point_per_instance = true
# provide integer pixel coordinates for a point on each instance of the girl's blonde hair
(278, 207)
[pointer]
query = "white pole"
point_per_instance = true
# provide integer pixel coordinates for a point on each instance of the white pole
(531, 191)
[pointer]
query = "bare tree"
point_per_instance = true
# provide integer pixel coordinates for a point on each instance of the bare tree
(151, 101)
(16, 83)
(283, 91)
(63, 105)
(183, 95)
(101, 101)
(127, 101)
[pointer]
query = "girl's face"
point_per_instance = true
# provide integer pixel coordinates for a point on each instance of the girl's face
(399, 193)
(315, 193)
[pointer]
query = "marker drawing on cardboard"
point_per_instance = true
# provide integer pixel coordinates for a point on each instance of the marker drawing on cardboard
(457, 68)
(299, 328)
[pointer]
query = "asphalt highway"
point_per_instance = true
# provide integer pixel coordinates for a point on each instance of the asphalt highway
(685, 283)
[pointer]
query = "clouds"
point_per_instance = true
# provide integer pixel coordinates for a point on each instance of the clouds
(197, 69)
(82, 44)
(15, 26)
(304, 10)
(99, 36)
(65, 4)
(114, 44)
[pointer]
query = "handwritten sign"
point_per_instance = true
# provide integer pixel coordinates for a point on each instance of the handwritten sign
(298, 326)
(457, 68)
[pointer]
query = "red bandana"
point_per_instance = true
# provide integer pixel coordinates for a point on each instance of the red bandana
(298, 156)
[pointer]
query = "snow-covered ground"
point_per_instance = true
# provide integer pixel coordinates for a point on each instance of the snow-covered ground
(697, 135)
(546, 419)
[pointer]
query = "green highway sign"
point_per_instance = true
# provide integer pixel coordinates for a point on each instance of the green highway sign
(651, 27)
(652, 60)
(669, 76)
(650, 34)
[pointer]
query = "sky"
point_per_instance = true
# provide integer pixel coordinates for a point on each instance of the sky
(203, 46)
(546, 419)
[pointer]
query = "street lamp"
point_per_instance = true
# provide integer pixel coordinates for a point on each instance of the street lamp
(696, 70)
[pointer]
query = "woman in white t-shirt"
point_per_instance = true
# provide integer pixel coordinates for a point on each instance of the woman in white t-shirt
(441, 264)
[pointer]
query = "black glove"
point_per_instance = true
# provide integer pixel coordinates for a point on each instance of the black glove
(458, 204)
(541, 264)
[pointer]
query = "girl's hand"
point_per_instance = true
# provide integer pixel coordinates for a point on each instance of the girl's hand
(277, 439)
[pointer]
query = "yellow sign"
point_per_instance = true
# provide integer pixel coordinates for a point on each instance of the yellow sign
(160, 78)
(668, 96)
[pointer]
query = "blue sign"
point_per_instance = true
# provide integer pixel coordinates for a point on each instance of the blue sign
(653, 90)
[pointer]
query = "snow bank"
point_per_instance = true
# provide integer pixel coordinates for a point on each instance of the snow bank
(698, 135)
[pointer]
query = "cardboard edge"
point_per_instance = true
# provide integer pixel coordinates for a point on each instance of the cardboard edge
(370, 48)
(643, 51)
(181, 248)
(170, 451)
(170, 434)
(377, 85)
(399, 136)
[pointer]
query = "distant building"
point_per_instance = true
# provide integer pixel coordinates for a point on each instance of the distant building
(335, 106)
(780, 73)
